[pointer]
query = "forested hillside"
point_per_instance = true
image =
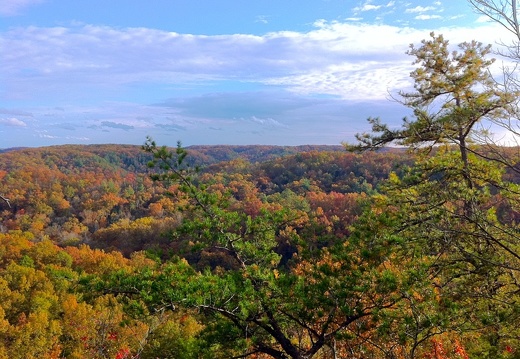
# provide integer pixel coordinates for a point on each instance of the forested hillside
(69, 193)
(92, 244)
(77, 216)
(406, 246)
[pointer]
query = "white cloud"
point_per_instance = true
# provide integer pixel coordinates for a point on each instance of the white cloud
(15, 112)
(370, 7)
(349, 59)
(419, 9)
(13, 7)
(284, 77)
(455, 17)
(367, 6)
(13, 121)
(82, 139)
(262, 19)
(267, 122)
(45, 134)
(378, 79)
(427, 17)
(483, 19)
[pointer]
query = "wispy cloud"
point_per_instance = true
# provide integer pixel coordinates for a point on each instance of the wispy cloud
(14, 7)
(419, 9)
(170, 127)
(368, 6)
(267, 122)
(13, 121)
(87, 61)
(428, 17)
(44, 134)
(483, 19)
(116, 125)
(6, 111)
(263, 19)
(286, 78)
(74, 138)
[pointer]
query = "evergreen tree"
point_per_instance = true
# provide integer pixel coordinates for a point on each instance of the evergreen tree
(451, 209)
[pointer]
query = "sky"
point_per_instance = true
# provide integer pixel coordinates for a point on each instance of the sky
(211, 72)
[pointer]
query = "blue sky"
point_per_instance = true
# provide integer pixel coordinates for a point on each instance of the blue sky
(212, 72)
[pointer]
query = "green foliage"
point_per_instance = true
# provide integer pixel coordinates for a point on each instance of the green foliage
(444, 210)
(293, 310)
(453, 92)
(174, 339)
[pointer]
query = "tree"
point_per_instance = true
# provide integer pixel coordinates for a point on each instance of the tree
(454, 93)
(446, 208)
(258, 305)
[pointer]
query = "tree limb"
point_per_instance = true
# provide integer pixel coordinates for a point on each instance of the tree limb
(6, 200)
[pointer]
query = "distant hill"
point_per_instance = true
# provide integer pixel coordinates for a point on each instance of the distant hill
(252, 153)
(201, 155)
(133, 158)
(3, 150)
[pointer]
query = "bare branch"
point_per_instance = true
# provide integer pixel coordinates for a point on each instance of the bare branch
(6, 200)
(502, 12)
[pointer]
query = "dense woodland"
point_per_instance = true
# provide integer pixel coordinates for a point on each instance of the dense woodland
(78, 217)
(406, 246)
